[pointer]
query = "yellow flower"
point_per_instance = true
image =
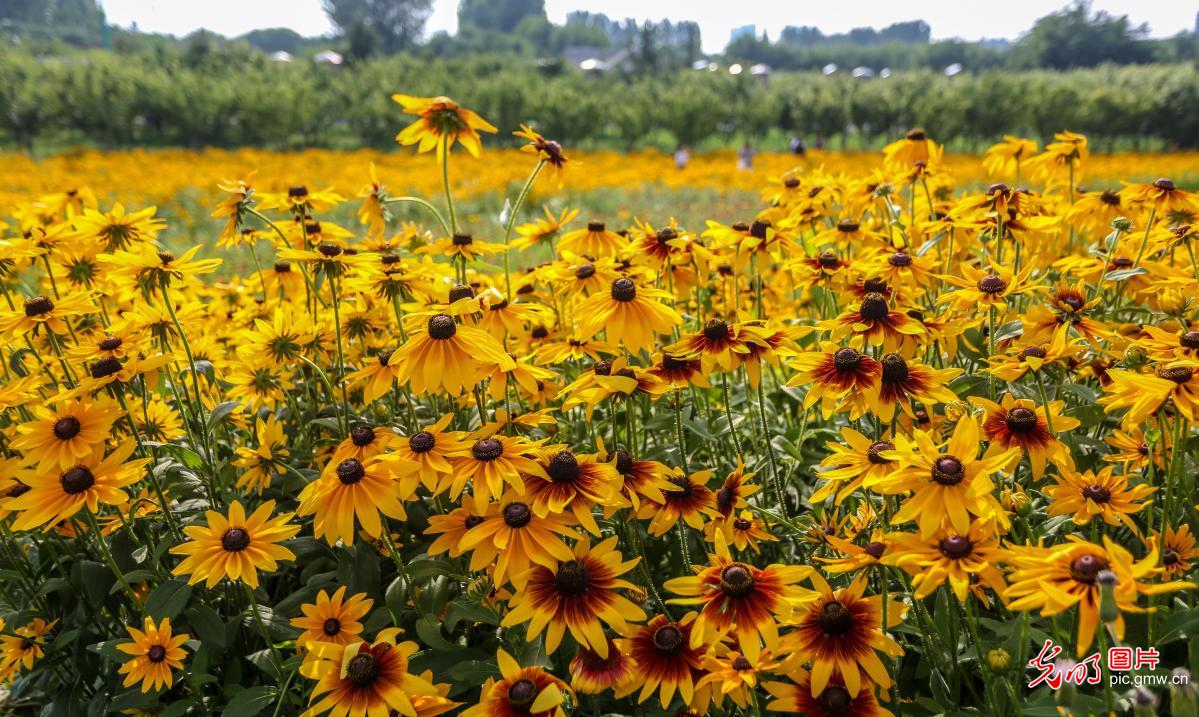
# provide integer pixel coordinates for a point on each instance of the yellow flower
(156, 652)
(235, 546)
(442, 123)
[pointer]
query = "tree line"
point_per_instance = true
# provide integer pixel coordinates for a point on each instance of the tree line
(225, 99)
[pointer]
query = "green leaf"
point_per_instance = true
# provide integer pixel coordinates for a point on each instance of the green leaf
(217, 414)
(396, 596)
(207, 625)
(429, 631)
(168, 600)
(250, 701)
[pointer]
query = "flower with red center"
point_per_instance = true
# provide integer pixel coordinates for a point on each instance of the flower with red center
(969, 561)
(493, 460)
(364, 678)
(665, 658)
(579, 595)
(875, 320)
(833, 701)
(521, 691)
(841, 632)
(573, 481)
(1021, 423)
(690, 500)
(716, 345)
(852, 464)
(591, 674)
(833, 373)
(742, 600)
(512, 537)
(902, 381)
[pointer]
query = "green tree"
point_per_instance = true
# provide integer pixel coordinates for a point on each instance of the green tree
(388, 25)
(497, 15)
(1076, 37)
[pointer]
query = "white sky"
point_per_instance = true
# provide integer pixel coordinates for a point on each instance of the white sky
(969, 19)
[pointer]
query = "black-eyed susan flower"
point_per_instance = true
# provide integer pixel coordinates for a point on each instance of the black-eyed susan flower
(42, 311)
(236, 546)
(265, 461)
(628, 315)
(1097, 494)
(442, 123)
(156, 652)
(578, 596)
(352, 490)
(689, 499)
(512, 538)
(1053, 579)
(667, 662)
(591, 674)
(832, 373)
(447, 356)
(1142, 394)
(854, 462)
(1022, 423)
(67, 432)
(949, 482)
(56, 493)
(521, 691)
(596, 241)
(841, 632)
(742, 601)
(902, 381)
(332, 618)
(968, 561)
(361, 679)
(835, 700)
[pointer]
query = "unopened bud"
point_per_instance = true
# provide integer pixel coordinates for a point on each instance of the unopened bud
(1134, 357)
(1122, 224)
(1109, 611)
(999, 660)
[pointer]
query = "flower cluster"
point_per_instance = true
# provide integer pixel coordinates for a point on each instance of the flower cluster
(821, 459)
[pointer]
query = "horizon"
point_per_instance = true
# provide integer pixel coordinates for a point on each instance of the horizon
(232, 18)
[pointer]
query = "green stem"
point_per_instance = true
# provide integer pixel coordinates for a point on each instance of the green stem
(514, 210)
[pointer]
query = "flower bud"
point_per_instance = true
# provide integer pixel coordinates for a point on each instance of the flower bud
(1122, 224)
(999, 660)
(1015, 500)
(1134, 357)
(1109, 611)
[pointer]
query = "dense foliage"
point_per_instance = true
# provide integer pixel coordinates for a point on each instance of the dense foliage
(225, 98)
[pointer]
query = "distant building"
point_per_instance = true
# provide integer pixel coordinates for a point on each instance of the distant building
(743, 31)
(597, 59)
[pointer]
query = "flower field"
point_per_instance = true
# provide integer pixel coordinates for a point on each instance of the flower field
(424, 433)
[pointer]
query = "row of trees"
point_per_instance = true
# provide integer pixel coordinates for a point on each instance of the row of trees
(108, 100)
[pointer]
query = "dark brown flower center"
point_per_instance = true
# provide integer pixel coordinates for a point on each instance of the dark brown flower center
(1097, 493)
(329, 249)
(596, 226)
(350, 471)
(586, 271)
(331, 627)
(1109, 198)
(791, 182)
(875, 549)
(874, 307)
(363, 669)
(829, 260)
(472, 521)
(847, 360)
(741, 664)
(297, 191)
(521, 695)
(872, 453)
(742, 524)
(895, 368)
(362, 436)
(948, 470)
(442, 327)
(38, 305)
(624, 289)
(282, 267)
(1189, 340)
(517, 515)
(563, 467)
(106, 367)
(992, 284)
(848, 226)
(458, 292)
(758, 228)
(111, 343)
(67, 428)
(1074, 301)
(684, 484)
(835, 618)
(716, 330)
(624, 462)
(1021, 420)
(1170, 556)
(487, 449)
(901, 258)
(572, 578)
(77, 480)
(836, 700)
(1166, 184)
(724, 498)
(1177, 374)
(463, 240)
(737, 580)
(1033, 352)
(1085, 568)
(422, 442)
(916, 135)
(956, 547)
(156, 653)
(235, 540)
(668, 639)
